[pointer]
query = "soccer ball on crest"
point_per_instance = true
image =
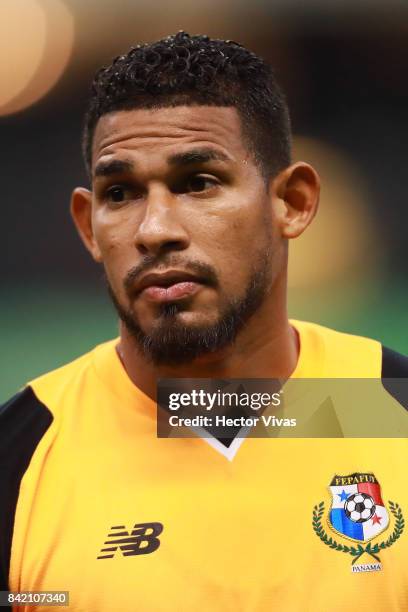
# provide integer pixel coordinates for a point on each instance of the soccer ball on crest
(359, 507)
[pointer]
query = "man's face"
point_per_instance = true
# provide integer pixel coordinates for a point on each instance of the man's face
(183, 223)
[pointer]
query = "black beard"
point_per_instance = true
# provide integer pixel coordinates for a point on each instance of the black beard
(174, 343)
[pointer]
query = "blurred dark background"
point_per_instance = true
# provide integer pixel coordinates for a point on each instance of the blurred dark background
(343, 66)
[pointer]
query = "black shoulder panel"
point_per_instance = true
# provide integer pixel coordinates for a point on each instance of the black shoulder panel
(23, 422)
(395, 366)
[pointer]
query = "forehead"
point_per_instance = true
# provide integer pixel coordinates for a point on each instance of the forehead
(164, 131)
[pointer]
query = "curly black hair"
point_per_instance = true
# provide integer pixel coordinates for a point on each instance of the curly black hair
(193, 70)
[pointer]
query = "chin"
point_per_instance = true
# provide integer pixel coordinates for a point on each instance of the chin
(177, 338)
(175, 315)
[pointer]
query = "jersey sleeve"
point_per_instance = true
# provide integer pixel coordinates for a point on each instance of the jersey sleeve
(23, 422)
(394, 375)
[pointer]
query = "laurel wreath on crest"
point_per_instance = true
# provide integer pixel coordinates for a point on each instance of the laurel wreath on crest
(356, 552)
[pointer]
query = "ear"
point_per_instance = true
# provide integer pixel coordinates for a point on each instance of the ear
(81, 212)
(297, 189)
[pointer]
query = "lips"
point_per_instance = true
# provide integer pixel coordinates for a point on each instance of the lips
(168, 286)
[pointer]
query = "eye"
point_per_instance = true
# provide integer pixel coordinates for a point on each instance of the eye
(200, 183)
(117, 193)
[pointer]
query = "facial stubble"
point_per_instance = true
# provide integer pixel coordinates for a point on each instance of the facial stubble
(173, 342)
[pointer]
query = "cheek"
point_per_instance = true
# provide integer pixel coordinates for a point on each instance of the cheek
(237, 238)
(111, 229)
(114, 238)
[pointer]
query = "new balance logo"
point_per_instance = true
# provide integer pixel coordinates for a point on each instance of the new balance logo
(142, 540)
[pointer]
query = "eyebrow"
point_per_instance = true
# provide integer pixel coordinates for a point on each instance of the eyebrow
(194, 156)
(197, 156)
(116, 166)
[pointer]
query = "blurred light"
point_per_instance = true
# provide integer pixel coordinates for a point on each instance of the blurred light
(36, 40)
(341, 245)
(22, 44)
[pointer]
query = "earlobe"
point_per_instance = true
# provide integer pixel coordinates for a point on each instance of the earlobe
(81, 212)
(298, 189)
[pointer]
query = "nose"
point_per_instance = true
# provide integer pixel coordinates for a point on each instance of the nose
(161, 229)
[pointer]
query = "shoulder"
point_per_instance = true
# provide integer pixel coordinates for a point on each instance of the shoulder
(57, 387)
(22, 414)
(349, 355)
(342, 355)
(393, 365)
(34, 405)
(66, 374)
(25, 420)
(29, 413)
(394, 375)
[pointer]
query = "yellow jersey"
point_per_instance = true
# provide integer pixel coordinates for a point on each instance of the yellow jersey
(94, 503)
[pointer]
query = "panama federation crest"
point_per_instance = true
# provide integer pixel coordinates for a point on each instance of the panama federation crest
(359, 515)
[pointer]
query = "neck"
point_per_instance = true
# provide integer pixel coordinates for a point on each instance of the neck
(267, 347)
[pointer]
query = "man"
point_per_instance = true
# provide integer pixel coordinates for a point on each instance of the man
(194, 198)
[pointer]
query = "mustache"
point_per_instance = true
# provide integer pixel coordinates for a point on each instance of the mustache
(205, 273)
